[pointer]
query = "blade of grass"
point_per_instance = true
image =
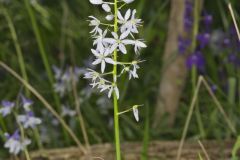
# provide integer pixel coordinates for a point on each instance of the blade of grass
(46, 104)
(189, 116)
(42, 49)
(17, 46)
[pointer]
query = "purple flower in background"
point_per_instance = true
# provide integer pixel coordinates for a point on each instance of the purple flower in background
(203, 39)
(26, 103)
(15, 144)
(188, 16)
(234, 59)
(207, 19)
(64, 79)
(28, 120)
(183, 44)
(7, 108)
(196, 59)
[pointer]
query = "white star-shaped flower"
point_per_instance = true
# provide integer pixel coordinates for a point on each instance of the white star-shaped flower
(102, 57)
(129, 23)
(29, 121)
(94, 22)
(118, 42)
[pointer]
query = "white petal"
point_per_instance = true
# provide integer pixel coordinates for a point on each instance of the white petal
(113, 47)
(120, 17)
(127, 15)
(109, 60)
(96, 1)
(95, 53)
(106, 7)
(124, 35)
(122, 48)
(128, 1)
(116, 92)
(128, 41)
(140, 44)
(97, 61)
(110, 92)
(109, 17)
(109, 40)
(115, 35)
(103, 65)
(136, 113)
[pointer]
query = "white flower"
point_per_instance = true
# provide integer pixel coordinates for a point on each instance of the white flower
(66, 111)
(7, 108)
(29, 121)
(26, 103)
(95, 23)
(109, 17)
(129, 25)
(139, 45)
(15, 144)
(118, 42)
(128, 1)
(99, 39)
(136, 113)
(115, 89)
(91, 74)
(106, 7)
(97, 2)
(102, 58)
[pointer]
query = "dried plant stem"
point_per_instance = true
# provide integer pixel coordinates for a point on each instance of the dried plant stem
(46, 104)
(189, 117)
(115, 100)
(201, 81)
(204, 150)
(80, 117)
(234, 20)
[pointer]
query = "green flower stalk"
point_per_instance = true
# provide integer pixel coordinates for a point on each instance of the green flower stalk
(110, 41)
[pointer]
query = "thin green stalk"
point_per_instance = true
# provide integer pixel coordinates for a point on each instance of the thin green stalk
(194, 68)
(17, 47)
(42, 49)
(115, 100)
(44, 57)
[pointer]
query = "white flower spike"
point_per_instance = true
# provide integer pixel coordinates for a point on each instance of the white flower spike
(109, 39)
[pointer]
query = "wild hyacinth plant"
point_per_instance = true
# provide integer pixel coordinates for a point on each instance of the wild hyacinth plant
(110, 42)
(18, 141)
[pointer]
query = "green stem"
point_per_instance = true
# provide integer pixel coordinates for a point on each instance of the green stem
(42, 49)
(44, 57)
(17, 47)
(194, 74)
(115, 100)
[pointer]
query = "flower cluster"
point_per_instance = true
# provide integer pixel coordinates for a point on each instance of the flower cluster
(64, 79)
(16, 142)
(203, 38)
(114, 38)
